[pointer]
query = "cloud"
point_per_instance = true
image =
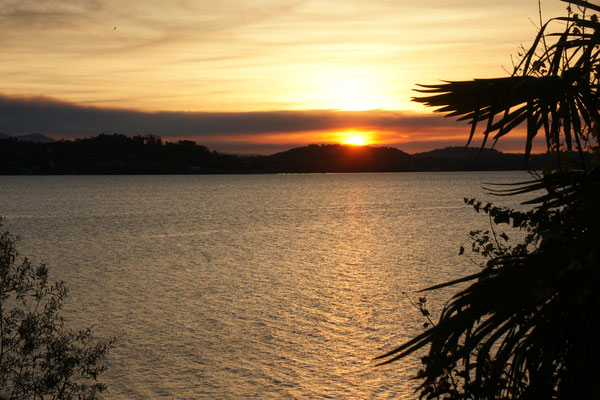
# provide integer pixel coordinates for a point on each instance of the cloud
(250, 132)
(249, 54)
(65, 119)
(32, 15)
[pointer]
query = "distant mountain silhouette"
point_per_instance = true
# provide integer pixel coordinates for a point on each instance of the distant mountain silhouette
(32, 137)
(120, 154)
(36, 138)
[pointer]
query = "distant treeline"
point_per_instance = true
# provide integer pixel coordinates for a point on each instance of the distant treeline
(120, 154)
(114, 154)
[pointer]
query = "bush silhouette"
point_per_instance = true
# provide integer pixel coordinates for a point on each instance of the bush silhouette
(39, 357)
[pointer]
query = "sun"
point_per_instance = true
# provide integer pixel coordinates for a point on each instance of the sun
(355, 138)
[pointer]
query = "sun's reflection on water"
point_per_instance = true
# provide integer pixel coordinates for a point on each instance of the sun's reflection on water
(248, 286)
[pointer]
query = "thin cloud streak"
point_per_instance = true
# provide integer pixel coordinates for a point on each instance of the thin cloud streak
(247, 55)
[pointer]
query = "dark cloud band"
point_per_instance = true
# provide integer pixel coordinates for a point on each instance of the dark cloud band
(19, 115)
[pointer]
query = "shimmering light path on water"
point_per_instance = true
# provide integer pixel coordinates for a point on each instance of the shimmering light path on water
(270, 286)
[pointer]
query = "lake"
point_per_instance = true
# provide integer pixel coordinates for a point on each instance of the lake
(250, 286)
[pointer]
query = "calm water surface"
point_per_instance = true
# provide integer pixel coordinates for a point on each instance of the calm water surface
(267, 286)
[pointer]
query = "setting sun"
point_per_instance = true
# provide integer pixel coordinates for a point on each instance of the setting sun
(355, 138)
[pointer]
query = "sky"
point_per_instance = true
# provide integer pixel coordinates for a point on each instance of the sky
(252, 76)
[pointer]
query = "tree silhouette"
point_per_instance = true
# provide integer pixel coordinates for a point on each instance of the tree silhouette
(526, 326)
(39, 357)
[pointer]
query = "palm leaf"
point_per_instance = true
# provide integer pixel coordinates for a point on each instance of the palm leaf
(498, 326)
(583, 3)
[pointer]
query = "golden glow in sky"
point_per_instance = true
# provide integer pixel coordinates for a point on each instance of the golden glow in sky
(351, 89)
(256, 55)
(249, 55)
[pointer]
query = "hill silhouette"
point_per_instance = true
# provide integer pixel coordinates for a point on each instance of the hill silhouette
(120, 154)
(475, 159)
(339, 158)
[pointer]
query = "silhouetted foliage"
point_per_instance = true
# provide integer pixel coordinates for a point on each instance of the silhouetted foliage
(39, 357)
(553, 87)
(526, 326)
(115, 154)
(120, 154)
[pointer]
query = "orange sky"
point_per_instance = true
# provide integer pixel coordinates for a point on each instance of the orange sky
(253, 58)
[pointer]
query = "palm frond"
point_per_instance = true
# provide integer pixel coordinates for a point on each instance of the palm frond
(557, 89)
(525, 326)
